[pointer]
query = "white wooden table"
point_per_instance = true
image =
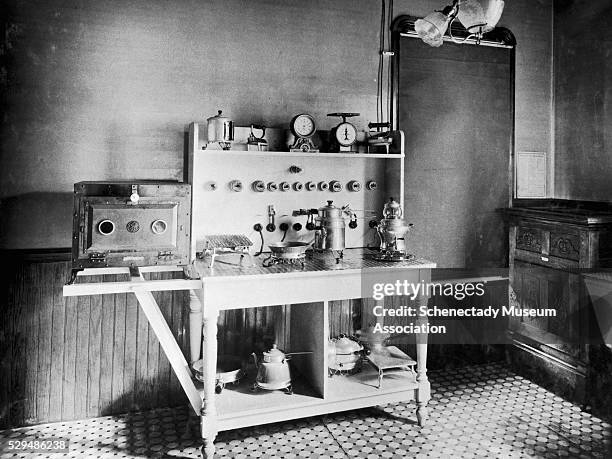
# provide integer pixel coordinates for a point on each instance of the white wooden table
(309, 290)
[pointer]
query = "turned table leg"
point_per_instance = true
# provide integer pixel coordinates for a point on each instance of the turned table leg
(195, 326)
(208, 420)
(423, 394)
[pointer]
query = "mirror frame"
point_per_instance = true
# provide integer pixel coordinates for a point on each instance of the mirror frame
(499, 37)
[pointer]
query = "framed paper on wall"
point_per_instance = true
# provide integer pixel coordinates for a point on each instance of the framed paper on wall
(530, 174)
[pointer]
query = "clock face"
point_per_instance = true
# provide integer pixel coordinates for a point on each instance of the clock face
(346, 134)
(303, 125)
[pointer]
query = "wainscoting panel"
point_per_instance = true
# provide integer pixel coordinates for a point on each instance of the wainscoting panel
(80, 357)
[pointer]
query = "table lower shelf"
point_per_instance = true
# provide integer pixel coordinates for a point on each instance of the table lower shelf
(238, 406)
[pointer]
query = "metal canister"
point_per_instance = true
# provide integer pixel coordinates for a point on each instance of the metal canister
(220, 128)
(330, 228)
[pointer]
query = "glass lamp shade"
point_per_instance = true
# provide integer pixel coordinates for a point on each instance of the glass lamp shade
(432, 28)
(480, 15)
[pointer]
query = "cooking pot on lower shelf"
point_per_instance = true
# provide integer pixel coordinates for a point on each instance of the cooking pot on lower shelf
(344, 354)
(229, 371)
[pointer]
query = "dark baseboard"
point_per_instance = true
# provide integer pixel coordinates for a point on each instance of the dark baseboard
(50, 255)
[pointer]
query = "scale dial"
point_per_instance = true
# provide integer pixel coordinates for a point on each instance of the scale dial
(303, 125)
(346, 134)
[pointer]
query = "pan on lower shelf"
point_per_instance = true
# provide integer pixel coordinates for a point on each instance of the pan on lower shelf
(229, 371)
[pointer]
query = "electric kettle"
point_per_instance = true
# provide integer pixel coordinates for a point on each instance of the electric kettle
(221, 130)
(273, 371)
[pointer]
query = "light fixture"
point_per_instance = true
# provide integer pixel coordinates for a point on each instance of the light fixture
(477, 16)
(431, 28)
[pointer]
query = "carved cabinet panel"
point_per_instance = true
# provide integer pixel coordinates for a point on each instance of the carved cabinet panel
(529, 238)
(549, 250)
(565, 245)
(540, 288)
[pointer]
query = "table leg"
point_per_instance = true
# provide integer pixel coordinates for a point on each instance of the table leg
(195, 326)
(208, 421)
(423, 394)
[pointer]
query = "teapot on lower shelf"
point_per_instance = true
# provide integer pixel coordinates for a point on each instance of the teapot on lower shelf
(273, 371)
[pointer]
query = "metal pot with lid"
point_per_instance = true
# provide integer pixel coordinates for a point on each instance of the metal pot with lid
(344, 354)
(392, 210)
(330, 228)
(393, 228)
(221, 130)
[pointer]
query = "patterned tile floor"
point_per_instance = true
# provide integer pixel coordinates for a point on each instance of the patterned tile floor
(480, 411)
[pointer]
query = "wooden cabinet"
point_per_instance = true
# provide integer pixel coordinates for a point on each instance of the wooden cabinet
(551, 245)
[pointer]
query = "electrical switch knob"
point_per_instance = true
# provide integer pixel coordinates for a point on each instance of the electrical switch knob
(310, 224)
(311, 186)
(284, 186)
(335, 186)
(297, 227)
(270, 227)
(295, 169)
(259, 186)
(354, 185)
(353, 222)
(235, 185)
(372, 185)
(134, 197)
(272, 186)
(298, 186)
(323, 186)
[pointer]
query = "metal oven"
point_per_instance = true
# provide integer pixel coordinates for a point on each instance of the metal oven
(131, 224)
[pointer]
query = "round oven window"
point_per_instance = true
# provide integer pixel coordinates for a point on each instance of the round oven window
(106, 227)
(159, 227)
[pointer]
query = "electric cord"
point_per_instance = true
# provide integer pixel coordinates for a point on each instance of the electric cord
(379, 82)
(262, 244)
(457, 40)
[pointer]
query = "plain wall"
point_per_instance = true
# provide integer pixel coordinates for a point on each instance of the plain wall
(583, 99)
(459, 156)
(105, 90)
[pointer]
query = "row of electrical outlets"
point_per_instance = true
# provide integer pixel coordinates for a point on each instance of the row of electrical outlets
(260, 186)
(271, 227)
(310, 223)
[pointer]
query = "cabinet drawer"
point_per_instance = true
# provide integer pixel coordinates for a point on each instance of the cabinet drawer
(564, 245)
(529, 238)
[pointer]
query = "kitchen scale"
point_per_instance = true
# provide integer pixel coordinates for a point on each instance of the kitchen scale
(344, 135)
